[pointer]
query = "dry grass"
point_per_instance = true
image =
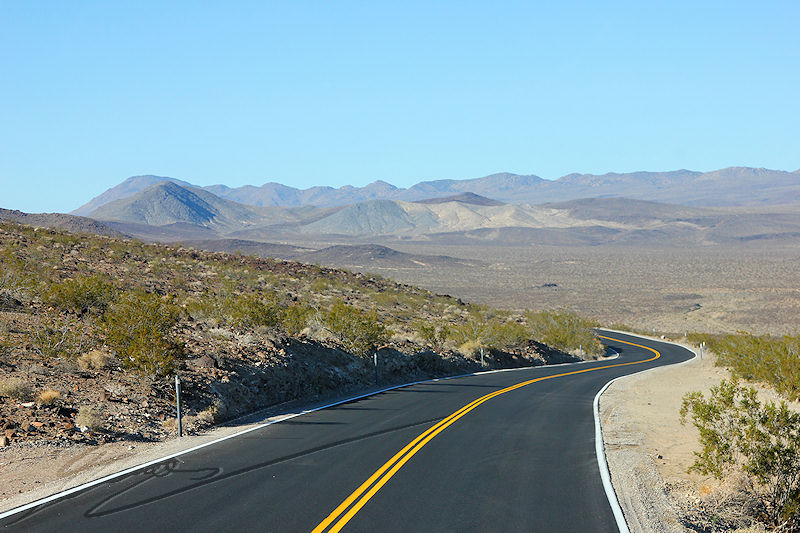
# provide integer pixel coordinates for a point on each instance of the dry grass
(89, 417)
(93, 360)
(48, 397)
(15, 388)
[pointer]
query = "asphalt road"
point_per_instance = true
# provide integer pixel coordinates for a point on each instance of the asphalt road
(516, 460)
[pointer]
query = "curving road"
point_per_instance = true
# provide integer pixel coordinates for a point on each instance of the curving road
(501, 451)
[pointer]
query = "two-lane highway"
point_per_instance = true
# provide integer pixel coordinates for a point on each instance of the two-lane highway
(502, 451)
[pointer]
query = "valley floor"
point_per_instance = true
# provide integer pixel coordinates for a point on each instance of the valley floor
(712, 289)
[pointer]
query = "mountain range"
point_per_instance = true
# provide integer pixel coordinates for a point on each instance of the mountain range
(740, 186)
(168, 211)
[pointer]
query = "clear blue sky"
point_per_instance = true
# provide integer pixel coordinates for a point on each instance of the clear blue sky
(334, 93)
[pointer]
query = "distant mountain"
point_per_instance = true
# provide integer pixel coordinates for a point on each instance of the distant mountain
(735, 186)
(127, 188)
(464, 198)
(71, 223)
(376, 217)
(167, 203)
(167, 211)
(503, 186)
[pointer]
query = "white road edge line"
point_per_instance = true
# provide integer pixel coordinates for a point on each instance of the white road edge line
(599, 447)
(127, 471)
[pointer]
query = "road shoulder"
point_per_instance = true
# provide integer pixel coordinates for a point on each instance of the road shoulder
(647, 448)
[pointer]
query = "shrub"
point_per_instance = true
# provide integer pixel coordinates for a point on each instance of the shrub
(15, 388)
(248, 311)
(80, 295)
(138, 329)
(433, 335)
(48, 397)
(763, 441)
(5, 341)
(58, 336)
(772, 360)
(295, 318)
(358, 331)
(564, 331)
(89, 417)
(93, 360)
(486, 331)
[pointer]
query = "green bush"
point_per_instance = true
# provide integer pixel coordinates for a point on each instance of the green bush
(772, 360)
(16, 281)
(138, 329)
(433, 335)
(295, 318)
(80, 295)
(358, 331)
(483, 330)
(763, 441)
(249, 311)
(564, 331)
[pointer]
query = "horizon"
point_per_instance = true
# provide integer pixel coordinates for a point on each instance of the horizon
(317, 95)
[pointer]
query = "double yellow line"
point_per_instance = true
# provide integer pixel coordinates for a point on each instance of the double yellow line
(353, 503)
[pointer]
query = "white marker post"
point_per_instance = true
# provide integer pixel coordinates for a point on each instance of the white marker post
(178, 404)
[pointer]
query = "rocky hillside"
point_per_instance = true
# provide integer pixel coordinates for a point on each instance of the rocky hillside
(93, 328)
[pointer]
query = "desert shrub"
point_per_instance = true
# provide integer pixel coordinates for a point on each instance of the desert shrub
(208, 308)
(564, 331)
(772, 360)
(763, 441)
(56, 335)
(89, 417)
(5, 341)
(433, 334)
(93, 360)
(216, 412)
(320, 285)
(492, 331)
(16, 281)
(138, 329)
(48, 397)
(15, 388)
(294, 318)
(471, 348)
(358, 331)
(80, 295)
(248, 311)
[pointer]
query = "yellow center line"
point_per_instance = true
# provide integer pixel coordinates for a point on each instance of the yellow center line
(377, 480)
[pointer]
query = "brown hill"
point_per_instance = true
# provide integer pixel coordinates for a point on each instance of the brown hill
(75, 224)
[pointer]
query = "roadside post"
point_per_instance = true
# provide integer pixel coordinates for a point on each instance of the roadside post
(482, 363)
(375, 359)
(178, 404)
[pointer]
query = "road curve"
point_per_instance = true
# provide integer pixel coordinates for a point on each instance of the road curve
(501, 451)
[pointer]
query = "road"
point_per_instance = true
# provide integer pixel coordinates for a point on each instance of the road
(502, 451)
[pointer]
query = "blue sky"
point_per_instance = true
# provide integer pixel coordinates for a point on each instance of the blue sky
(334, 93)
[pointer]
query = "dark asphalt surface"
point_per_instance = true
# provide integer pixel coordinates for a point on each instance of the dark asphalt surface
(522, 461)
